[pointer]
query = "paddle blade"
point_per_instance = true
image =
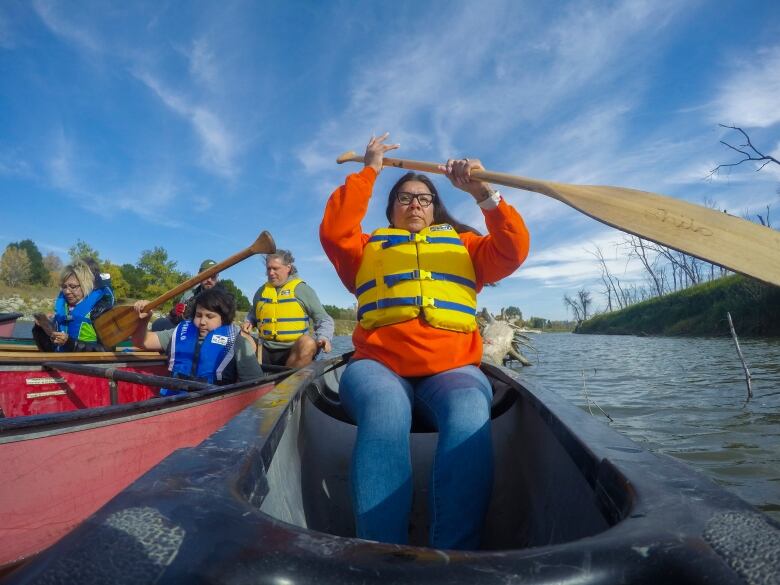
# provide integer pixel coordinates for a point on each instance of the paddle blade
(714, 236)
(116, 325)
(264, 244)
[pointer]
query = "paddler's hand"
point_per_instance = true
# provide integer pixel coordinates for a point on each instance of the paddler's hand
(459, 174)
(375, 151)
(59, 338)
(324, 345)
(139, 307)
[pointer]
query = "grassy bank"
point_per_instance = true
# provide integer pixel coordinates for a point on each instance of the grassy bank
(344, 326)
(698, 310)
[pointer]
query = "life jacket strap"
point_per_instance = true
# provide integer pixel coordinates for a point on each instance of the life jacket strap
(415, 301)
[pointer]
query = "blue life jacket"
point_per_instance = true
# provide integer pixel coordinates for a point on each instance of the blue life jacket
(76, 322)
(216, 352)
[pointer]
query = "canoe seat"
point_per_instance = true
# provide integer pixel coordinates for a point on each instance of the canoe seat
(324, 394)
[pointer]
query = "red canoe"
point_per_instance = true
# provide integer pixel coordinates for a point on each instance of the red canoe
(69, 442)
(7, 323)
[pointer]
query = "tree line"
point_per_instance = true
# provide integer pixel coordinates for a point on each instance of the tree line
(152, 275)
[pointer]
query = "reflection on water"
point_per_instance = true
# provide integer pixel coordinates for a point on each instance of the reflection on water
(680, 396)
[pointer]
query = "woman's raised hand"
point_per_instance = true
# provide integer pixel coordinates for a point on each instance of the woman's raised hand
(375, 151)
(459, 173)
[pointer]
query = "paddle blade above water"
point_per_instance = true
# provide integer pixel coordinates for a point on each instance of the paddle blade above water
(116, 325)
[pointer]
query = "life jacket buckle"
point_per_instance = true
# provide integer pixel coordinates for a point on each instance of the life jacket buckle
(418, 239)
(422, 275)
(427, 301)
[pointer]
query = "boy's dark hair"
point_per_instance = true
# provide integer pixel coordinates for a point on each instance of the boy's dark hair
(218, 300)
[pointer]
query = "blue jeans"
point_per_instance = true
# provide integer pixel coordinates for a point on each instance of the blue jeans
(456, 403)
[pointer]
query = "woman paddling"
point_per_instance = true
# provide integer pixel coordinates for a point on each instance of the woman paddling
(417, 346)
(79, 303)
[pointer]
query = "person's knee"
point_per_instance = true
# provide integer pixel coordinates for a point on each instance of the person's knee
(468, 411)
(305, 346)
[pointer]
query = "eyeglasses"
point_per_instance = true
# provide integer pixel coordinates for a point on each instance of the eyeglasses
(424, 199)
(70, 286)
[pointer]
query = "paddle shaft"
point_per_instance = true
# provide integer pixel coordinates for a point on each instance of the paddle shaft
(132, 377)
(483, 175)
(120, 322)
(198, 278)
(708, 234)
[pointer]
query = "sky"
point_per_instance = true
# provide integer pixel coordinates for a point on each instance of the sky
(195, 125)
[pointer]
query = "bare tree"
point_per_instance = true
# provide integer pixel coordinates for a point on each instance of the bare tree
(747, 150)
(574, 305)
(609, 280)
(579, 304)
(585, 302)
(647, 254)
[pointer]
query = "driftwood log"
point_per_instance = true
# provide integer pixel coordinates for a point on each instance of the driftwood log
(502, 341)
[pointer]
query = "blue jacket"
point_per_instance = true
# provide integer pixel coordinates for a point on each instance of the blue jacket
(77, 322)
(207, 361)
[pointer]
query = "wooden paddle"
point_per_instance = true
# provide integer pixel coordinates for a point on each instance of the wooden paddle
(716, 237)
(120, 322)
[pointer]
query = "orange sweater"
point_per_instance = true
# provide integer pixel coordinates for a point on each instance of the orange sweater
(414, 348)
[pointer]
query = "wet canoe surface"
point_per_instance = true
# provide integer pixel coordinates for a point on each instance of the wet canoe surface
(266, 499)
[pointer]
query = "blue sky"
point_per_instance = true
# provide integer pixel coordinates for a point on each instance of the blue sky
(194, 125)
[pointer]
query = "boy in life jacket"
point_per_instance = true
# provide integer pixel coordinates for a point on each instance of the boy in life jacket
(80, 302)
(206, 348)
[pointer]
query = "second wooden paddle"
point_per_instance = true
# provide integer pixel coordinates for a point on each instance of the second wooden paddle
(120, 322)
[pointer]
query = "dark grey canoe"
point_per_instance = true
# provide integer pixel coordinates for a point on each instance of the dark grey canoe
(266, 500)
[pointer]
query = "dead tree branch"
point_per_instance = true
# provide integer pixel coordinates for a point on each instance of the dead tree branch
(747, 150)
(748, 377)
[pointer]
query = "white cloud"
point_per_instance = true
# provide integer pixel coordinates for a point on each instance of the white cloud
(218, 147)
(6, 37)
(750, 95)
(69, 172)
(574, 263)
(12, 164)
(203, 63)
(47, 11)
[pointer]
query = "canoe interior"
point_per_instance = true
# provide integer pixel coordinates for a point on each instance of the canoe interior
(28, 388)
(540, 495)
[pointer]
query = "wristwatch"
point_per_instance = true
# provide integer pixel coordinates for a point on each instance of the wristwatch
(492, 200)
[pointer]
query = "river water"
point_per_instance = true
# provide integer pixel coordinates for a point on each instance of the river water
(684, 397)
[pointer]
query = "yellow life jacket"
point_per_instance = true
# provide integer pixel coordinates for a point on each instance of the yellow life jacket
(280, 316)
(402, 272)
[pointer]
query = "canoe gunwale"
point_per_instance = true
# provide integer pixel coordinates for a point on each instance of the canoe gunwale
(34, 426)
(212, 493)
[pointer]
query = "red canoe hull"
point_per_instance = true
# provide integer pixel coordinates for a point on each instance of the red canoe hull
(28, 388)
(58, 471)
(51, 483)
